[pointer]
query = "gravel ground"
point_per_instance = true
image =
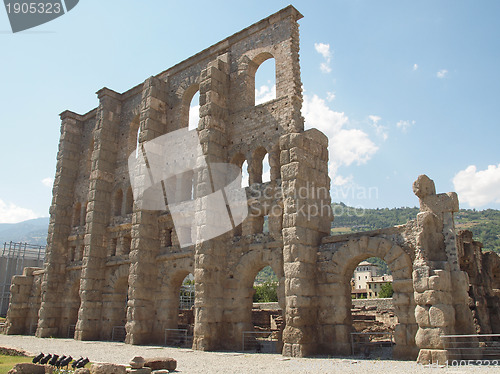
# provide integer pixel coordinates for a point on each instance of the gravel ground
(189, 361)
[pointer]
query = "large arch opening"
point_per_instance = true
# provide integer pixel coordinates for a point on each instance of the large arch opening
(71, 306)
(259, 302)
(372, 312)
(179, 322)
(334, 317)
(114, 306)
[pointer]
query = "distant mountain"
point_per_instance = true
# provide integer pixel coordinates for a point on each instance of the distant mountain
(33, 231)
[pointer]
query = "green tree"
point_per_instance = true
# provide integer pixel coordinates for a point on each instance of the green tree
(265, 292)
(386, 291)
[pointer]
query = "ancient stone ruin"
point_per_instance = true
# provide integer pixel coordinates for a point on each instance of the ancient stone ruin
(111, 263)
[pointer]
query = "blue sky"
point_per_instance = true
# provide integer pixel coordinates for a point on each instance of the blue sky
(401, 88)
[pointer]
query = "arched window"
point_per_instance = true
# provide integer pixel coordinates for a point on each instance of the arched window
(77, 214)
(133, 136)
(129, 202)
(265, 81)
(245, 179)
(256, 168)
(239, 160)
(266, 169)
(194, 112)
(118, 203)
(190, 106)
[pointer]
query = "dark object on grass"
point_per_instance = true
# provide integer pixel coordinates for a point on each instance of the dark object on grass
(45, 359)
(65, 362)
(37, 358)
(53, 360)
(76, 362)
(59, 360)
(82, 363)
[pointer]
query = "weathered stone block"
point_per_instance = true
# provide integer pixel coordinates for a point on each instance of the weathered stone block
(429, 338)
(442, 315)
(160, 363)
(107, 369)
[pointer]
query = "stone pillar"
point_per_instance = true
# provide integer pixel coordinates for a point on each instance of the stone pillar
(441, 289)
(20, 290)
(60, 226)
(288, 81)
(210, 256)
(306, 219)
(145, 230)
(98, 216)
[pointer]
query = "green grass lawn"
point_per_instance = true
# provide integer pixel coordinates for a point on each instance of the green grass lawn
(8, 362)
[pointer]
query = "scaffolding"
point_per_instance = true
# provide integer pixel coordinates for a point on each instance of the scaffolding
(15, 257)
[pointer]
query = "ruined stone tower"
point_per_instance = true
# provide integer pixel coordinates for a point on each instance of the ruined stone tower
(111, 263)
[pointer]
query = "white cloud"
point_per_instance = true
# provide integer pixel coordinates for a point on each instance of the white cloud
(11, 213)
(48, 182)
(330, 96)
(346, 146)
(374, 118)
(405, 125)
(415, 67)
(441, 73)
(478, 188)
(324, 50)
(264, 94)
(379, 129)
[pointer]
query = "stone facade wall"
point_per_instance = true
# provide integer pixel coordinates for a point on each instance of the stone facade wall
(483, 269)
(111, 263)
(380, 304)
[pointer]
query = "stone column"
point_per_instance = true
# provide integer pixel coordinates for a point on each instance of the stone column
(98, 216)
(59, 226)
(145, 230)
(22, 286)
(306, 219)
(440, 287)
(210, 255)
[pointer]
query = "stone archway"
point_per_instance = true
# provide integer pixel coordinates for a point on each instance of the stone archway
(71, 305)
(240, 295)
(334, 315)
(114, 303)
(170, 279)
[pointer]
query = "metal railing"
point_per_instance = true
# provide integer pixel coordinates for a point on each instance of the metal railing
(178, 338)
(71, 331)
(472, 347)
(259, 342)
(363, 342)
(118, 334)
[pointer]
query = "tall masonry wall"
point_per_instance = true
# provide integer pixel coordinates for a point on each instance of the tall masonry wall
(111, 263)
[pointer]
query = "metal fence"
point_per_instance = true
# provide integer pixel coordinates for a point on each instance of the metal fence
(178, 338)
(364, 342)
(186, 296)
(118, 334)
(14, 258)
(71, 331)
(482, 347)
(259, 342)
